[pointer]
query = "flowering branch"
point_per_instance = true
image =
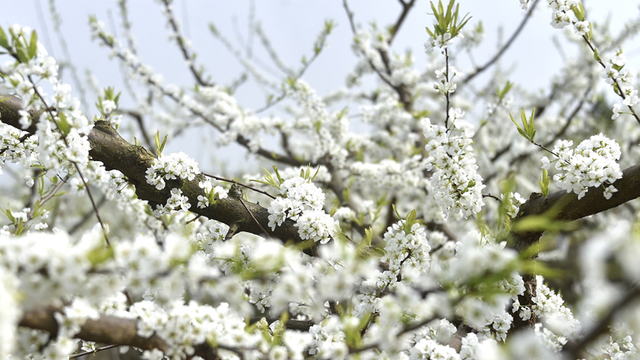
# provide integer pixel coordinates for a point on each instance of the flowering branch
(133, 161)
(183, 43)
(106, 329)
(569, 207)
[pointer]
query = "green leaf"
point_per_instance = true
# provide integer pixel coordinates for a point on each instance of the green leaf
(333, 210)
(396, 211)
(409, 220)
(541, 223)
(578, 11)
(9, 215)
(63, 124)
(544, 183)
(368, 236)
(520, 130)
(278, 175)
(160, 145)
(4, 42)
(33, 44)
(346, 193)
(502, 93)
(21, 53)
(99, 255)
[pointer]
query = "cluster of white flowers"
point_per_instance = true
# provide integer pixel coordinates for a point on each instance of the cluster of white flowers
(562, 15)
(442, 42)
(624, 80)
(183, 326)
(61, 133)
(328, 340)
(390, 173)
(455, 178)
(176, 202)
(392, 135)
(559, 324)
(15, 146)
(214, 193)
(171, 167)
(406, 251)
(303, 202)
(591, 164)
(324, 131)
(445, 76)
(74, 316)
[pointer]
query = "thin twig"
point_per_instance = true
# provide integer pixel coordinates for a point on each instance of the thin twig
(86, 217)
(240, 184)
(382, 76)
(240, 139)
(574, 349)
(181, 44)
(406, 7)
(93, 351)
(504, 47)
(66, 143)
(253, 217)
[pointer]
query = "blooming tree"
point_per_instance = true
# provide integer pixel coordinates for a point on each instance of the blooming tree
(440, 232)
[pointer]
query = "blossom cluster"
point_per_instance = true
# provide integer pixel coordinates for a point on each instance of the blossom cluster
(445, 84)
(372, 44)
(324, 130)
(623, 80)
(17, 147)
(563, 15)
(441, 42)
(406, 250)
(175, 202)
(171, 167)
(455, 181)
(212, 193)
(591, 164)
(302, 202)
(61, 133)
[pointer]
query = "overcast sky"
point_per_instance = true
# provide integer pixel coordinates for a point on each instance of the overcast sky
(293, 26)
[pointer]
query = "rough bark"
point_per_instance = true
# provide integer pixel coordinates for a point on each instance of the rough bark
(105, 330)
(108, 147)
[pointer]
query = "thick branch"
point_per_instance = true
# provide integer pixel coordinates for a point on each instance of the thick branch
(105, 330)
(570, 208)
(108, 147)
(567, 207)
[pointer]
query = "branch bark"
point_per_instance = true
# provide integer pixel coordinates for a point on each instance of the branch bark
(567, 207)
(105, 330)
(108, 147)
(570, 208)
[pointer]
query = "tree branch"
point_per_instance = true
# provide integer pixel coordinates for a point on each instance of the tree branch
(106, 330)
(504, 47)
(108, 147)
(570, 208)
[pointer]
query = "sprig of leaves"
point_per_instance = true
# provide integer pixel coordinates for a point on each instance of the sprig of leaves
(528, 129)
(447, 22)
(160, 145)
